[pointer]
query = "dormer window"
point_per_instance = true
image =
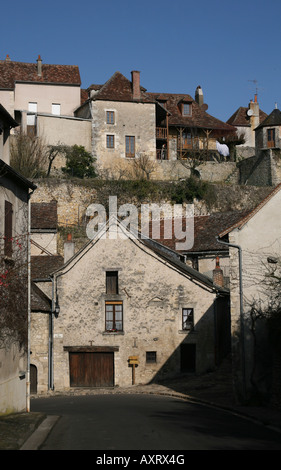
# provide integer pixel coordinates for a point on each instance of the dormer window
(186, 109)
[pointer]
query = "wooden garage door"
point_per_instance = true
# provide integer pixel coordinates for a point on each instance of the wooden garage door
(91, 369)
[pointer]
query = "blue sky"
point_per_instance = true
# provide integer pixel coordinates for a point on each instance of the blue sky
(230, 48)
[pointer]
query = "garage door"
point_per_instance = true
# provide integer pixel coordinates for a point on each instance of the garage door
(91, 369)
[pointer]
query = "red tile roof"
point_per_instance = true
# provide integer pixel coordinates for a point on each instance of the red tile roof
(12, 72)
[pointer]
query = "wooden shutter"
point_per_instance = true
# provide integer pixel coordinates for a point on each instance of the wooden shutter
(112, 282)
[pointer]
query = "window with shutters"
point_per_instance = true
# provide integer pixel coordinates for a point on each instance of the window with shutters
(112, 282)
(8, 229)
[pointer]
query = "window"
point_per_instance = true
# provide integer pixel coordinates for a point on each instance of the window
(150, 357)
(187, 318)
(130, 146)
(271, 137)
(112, 282)
(110, 117)
(186, 109)
(110, 141)
(8, 229)
(186, 140)
(114, 316)
(56, 109)
(31, 119)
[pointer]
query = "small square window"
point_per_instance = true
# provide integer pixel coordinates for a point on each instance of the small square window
(110, 141)
(187, 318)
(110, 117)
(150, 357)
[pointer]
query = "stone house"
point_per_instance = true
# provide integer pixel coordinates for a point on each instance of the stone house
(246, 120)
(124, 310)
(255, 246)
(15, 192)
(263, 168)
(131, 126)
(42, 98)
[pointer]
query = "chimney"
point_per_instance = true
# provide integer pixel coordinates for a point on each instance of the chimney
(199, 98)
(69, 248)
(8, 58)
(39, 66)
(136, 85)
(254, 115)
(218, 274)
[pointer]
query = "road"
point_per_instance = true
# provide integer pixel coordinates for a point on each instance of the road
(148, 422)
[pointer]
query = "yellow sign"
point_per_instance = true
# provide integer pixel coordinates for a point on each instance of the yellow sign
(133, 359)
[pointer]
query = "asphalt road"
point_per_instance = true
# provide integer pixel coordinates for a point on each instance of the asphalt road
(148, 422)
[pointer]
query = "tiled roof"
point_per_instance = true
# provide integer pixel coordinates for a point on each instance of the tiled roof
(43, 266)
(11, 72)
(118, 88)
(274, 119)
(44, 215)
(199, 117)
(240, 117)
(206, 228)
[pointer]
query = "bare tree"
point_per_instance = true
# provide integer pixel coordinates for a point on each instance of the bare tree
(143, 166)
(13, 292)
(28, 155)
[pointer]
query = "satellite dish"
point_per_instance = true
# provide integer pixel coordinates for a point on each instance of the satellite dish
(250, 112)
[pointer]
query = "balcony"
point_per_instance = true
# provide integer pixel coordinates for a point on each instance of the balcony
(161, 133)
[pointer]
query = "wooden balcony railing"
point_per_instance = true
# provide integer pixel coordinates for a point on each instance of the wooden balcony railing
(161, 133)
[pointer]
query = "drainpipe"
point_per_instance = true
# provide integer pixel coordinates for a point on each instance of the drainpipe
(241, 310)
(51, 338)
(28, 300)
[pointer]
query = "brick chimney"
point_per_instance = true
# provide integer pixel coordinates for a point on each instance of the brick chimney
(136, 85)
(39, 66)
(69, 248)
(218, 274)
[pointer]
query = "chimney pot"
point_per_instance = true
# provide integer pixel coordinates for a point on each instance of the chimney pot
(69, 248)
(218, 274)
(39, 66)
